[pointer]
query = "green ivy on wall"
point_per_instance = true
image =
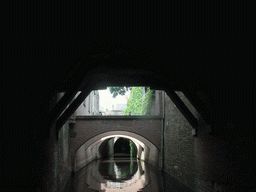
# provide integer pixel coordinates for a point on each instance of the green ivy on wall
(148, 102)
(134, 103)
(138, 106)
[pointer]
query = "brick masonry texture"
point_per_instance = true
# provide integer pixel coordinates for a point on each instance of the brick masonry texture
(179, 157)
(56, 166)
(87, 129)
(207, 162)
(64, 156)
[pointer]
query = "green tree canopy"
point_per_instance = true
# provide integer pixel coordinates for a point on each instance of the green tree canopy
(118, 90)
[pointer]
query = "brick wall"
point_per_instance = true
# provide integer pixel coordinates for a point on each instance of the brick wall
(208, 162)
(48, 164)
(223, 162)
(179, 157)
(87, 129)
(64, 157)
(47, 167)
(55, 165)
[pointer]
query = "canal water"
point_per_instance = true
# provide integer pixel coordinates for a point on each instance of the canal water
(122, 174)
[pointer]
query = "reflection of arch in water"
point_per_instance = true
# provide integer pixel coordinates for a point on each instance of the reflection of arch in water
(93, 177)
(93, 148)
(118, 171)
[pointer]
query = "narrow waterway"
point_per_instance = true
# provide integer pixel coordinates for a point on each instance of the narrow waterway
(122, 174)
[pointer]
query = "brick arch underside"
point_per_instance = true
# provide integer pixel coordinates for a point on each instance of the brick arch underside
(87, 129)
(89, 150)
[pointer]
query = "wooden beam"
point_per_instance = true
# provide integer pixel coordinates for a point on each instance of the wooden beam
(66, 99)
(61, 106)
(69, 94)
(72, 108)
(199, 106)
(182, 107)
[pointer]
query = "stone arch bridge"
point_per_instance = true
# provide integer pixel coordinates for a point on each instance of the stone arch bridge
(92, 131)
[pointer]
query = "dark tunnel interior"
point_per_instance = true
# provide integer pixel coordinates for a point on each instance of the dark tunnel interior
(122, 147)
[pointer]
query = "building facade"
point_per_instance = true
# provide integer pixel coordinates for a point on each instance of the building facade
(90, 105)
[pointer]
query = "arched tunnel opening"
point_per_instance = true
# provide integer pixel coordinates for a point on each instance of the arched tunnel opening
(116, 158)
(124, 147)
(118, 147)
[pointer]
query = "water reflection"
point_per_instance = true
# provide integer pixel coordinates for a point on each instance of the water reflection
(118, 170)
(123, 174)
(117, 174)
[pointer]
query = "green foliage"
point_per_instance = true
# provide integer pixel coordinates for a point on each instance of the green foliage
(131, 148)
(134, 103)
(138, 106)
(131, 155)
(148, 102)
(118, 90)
